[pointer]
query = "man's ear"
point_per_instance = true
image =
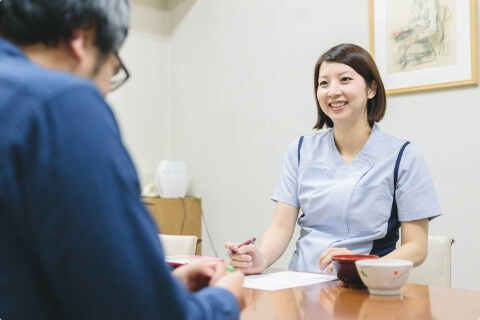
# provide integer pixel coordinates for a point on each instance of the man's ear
(372, 90)
(81, 40)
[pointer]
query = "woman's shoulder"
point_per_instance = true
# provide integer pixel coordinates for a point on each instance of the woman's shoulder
(312, 143)
(390, 143)
(385, 138)
(317, 136)
(307, 139)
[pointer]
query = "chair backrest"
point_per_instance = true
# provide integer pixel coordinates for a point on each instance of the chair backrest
(178, 244)
(436, 269)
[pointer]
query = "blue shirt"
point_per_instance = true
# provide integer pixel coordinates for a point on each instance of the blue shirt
(350, 205)
(76, 242)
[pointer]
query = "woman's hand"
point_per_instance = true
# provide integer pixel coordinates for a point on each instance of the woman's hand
(325, 259)
(248, 258)
(252, 260)
(196, 276)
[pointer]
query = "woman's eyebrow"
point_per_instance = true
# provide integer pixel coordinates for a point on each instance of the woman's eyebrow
(339, 74)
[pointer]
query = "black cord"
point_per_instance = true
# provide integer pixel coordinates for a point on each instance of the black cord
(206, 227)
(184, 216)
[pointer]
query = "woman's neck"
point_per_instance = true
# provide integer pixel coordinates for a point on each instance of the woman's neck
(350, 140)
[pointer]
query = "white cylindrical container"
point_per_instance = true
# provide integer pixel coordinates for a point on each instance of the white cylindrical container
(172, 179)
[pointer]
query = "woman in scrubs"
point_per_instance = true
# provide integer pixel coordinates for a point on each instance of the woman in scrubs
(350, 187)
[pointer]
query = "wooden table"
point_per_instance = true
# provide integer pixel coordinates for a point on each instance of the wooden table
(330, 300)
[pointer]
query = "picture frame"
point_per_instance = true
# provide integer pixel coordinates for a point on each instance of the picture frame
(415, 54)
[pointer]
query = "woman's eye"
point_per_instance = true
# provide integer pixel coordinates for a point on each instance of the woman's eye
(345, 79)
(322, 83)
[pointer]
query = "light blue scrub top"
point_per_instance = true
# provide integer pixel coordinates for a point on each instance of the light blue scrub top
(348, 206)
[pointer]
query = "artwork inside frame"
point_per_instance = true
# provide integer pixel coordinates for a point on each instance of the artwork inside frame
(424, 44)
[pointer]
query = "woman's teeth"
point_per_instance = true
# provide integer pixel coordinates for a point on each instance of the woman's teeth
(337, 104)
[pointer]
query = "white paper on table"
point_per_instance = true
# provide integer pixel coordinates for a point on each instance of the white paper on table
(284, 280)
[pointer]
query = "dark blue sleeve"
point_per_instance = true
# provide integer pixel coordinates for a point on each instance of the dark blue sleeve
(96, 243)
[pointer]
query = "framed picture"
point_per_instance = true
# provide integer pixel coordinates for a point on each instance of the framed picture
(424, 44)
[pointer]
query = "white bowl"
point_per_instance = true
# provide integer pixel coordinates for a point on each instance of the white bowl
(384, 276)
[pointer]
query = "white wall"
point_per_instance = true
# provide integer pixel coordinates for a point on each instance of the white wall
(239, 89)
(141, 105)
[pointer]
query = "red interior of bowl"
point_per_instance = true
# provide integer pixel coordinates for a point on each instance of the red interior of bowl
(354, 257)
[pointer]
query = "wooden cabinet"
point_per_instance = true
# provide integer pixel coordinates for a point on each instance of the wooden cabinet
(177, 216)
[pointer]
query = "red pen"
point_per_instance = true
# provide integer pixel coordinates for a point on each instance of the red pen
(249, 241)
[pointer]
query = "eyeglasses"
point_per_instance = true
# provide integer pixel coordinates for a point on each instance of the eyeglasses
(121, 76)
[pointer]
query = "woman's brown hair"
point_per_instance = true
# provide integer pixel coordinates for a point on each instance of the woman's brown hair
(362, 62)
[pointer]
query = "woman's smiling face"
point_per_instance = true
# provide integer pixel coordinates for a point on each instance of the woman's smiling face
(343, 93)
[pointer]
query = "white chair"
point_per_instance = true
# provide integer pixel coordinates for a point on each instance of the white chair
(436, 269)
(178, 244)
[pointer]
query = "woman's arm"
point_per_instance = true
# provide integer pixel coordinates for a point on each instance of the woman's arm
(277, 237)
(414, 242)
(253, 260)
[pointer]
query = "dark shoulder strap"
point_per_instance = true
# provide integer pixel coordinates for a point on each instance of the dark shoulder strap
(388, 243)
(300, 141)
(397, 165)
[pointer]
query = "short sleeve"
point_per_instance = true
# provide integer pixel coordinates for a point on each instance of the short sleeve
(415, 195)
(287, 186)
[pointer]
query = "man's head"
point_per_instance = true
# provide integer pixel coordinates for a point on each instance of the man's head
(88, 29)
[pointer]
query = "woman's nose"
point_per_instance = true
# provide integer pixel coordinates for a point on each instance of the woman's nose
(334, 90)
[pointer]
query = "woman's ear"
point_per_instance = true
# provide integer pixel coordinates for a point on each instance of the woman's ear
(372, 91)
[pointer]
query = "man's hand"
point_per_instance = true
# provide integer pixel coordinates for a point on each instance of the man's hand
(196, 276)
(233, 282)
